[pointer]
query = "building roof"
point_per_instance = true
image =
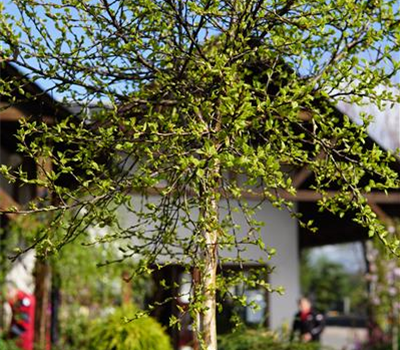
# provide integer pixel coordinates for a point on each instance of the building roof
(48, 105)
(385, 128)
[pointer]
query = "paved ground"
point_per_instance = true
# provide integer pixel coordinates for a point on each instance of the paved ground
(343, 338)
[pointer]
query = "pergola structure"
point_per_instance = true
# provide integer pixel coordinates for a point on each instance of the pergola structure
(384, 132)
(41, 107)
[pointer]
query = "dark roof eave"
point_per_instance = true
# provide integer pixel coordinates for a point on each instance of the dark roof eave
(41, 95)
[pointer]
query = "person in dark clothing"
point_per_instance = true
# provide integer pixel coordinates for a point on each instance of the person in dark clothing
(308, 324)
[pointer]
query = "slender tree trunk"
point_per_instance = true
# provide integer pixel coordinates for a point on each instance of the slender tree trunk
(208, 318)
(208, 275)
(209, 197)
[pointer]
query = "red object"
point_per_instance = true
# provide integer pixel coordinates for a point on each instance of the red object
(23, 318)
(304, 315)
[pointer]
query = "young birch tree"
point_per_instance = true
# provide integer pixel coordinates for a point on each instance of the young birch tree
(189, 93)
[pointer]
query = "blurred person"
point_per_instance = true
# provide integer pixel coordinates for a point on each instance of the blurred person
(308, 324)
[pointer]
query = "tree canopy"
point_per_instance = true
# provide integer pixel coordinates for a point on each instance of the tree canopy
(202, 103)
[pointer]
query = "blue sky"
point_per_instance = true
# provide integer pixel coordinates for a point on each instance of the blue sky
(11, 8)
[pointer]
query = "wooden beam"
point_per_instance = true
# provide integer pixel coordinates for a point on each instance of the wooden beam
(10, 114)
(13, 114)
(385, 218)
(312, 196)
(301, 176)
(330, 236)
(304, 173)
(305, 115)
(380, 213)
(7, 202)
(303, 195)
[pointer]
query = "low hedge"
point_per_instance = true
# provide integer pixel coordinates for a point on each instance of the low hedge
(260, 340)
(8, 345)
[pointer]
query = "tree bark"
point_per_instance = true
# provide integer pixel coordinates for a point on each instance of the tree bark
(208, 275)
(208, 318)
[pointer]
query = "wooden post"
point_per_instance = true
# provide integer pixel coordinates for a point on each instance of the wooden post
(55, 301)
(42, 296)
(42, 280)
(126, 288)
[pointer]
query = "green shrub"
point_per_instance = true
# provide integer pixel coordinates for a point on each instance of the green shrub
(260, 340)
(113, 333)
(7, 345)
(74, 331)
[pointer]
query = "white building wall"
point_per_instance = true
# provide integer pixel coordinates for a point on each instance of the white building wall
(279, 232)
(281, 229)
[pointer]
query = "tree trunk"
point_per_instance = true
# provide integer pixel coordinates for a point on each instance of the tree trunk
(208, 276)
(208, 318)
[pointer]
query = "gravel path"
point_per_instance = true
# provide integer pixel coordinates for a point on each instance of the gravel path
(343, 338)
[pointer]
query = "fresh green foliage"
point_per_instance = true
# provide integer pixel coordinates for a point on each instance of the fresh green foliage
(118, 332)
(8, 345)
(201, 103)
(74, 331)
(94, 282)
